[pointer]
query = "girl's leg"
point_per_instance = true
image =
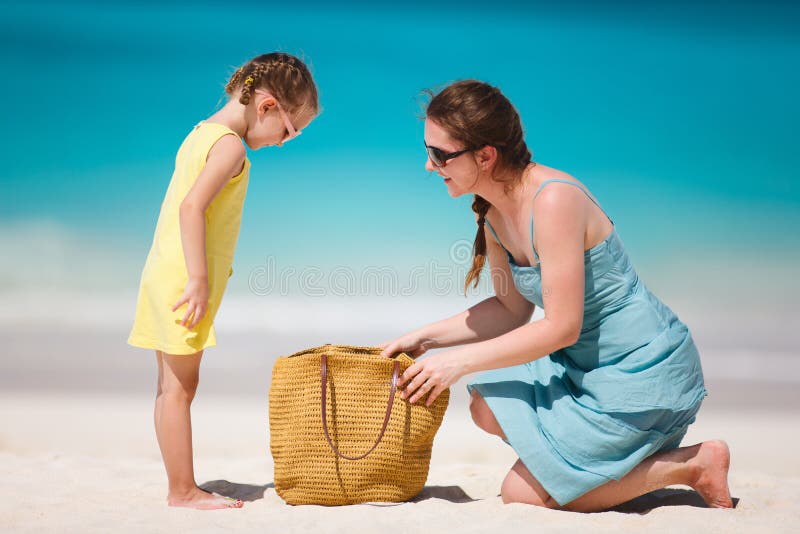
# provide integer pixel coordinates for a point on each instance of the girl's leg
(178, 376)
(704, 467)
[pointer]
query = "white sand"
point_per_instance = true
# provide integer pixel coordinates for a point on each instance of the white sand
(78, 451)
(90, 463)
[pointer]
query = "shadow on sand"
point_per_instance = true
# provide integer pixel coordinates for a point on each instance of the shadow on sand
(663, 497)
(245, 492)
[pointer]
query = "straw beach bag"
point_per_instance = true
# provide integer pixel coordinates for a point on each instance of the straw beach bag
(340, 433)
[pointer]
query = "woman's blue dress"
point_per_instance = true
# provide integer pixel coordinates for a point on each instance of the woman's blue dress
(591, 412)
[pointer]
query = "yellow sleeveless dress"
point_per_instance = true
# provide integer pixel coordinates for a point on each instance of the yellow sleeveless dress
(164, 276)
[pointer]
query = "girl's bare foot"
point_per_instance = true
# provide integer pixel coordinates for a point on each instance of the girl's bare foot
(203, 500)
(710, 474)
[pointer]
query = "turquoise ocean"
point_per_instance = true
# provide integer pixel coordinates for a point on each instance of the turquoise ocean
(681, 118)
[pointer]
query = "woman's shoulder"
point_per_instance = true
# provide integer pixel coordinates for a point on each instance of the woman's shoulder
(543, 176)
(549, 188)
(561, 204)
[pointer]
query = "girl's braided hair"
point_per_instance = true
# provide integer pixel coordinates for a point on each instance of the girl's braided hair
(285, 76)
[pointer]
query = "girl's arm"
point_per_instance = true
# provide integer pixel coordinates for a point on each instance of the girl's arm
(489, 318)
(224, 161)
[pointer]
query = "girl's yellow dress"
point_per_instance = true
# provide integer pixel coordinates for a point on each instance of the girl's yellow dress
(165, 276)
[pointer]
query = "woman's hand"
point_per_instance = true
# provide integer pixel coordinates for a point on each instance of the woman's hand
(432, 375)
(412, 344)
(195, 294)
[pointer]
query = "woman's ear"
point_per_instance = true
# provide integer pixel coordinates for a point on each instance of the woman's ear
(486, 156)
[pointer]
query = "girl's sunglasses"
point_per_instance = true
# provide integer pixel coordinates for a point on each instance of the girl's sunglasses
(439, 157)
(291, 132)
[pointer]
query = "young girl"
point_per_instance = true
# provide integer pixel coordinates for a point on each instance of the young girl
(272, 98)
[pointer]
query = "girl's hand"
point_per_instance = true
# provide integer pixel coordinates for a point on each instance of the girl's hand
(412, 344)
(431, 376)
(195, 294)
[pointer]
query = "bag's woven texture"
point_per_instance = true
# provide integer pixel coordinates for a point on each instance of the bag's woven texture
(307, 471)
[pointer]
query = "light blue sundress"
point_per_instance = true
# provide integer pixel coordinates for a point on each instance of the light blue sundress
(591, 412)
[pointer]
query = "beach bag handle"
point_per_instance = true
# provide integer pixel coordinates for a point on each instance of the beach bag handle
(324, 376)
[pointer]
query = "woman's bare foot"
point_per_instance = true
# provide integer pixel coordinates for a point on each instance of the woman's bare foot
(710, 475)
(203, 500)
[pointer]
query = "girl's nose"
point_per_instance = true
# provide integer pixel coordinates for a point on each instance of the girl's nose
(429, 165)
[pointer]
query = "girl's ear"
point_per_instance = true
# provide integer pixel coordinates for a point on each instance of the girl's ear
(265, 102)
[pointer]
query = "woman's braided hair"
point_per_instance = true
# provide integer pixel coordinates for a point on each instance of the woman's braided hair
(286, 77)
(477, 114)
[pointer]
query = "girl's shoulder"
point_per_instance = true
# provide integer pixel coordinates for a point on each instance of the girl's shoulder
(207, 138)
(213, 129)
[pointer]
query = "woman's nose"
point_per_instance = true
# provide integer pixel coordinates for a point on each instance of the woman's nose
(429, 165)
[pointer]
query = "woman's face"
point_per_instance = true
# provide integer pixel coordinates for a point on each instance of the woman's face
(461, 172)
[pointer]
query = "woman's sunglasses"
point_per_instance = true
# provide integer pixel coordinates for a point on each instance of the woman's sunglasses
(439, 157)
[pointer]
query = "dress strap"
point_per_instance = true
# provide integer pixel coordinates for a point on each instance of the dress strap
(489, 225)
(535, 254)
(579, 186)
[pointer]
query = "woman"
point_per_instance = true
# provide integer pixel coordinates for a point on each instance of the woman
(596, 396)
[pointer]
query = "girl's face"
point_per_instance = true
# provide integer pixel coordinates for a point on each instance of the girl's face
(460, 173)
(271, 124)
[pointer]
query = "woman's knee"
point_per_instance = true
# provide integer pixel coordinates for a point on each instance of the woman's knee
(520, 486)
(482, 415)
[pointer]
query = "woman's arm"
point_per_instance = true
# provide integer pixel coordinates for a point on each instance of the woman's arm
(561, 225)
(489, 318)
(224, 161)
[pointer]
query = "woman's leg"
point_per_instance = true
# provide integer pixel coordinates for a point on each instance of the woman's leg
(704, 467)
(178, 376)
(483, 416)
